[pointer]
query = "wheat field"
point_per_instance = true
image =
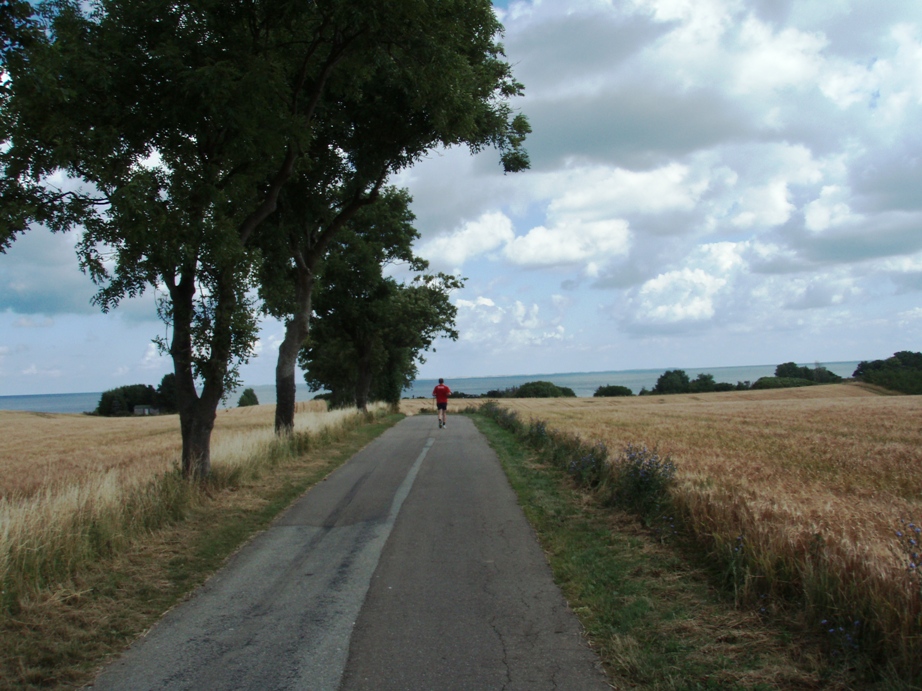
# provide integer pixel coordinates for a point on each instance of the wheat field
(839, 460)
(836, 460)
(43, 450)
(73, 487)
(809, 484)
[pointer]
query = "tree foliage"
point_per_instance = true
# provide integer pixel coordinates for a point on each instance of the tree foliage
(817, 374)
(370, 330)
(543, 389)
(166, 394)
(612, 390)
(247, 398)
(672, 381)
(177, 126)
(447, 85)
(122, 400)
(902, 372)
(781, 382)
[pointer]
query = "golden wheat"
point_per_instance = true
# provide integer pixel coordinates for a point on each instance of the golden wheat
(71, 481)
(42, 450)
(815, 481)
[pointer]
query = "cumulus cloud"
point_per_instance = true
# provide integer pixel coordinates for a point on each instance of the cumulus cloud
(831, 209)
(684, 295)
(42, 372)
(569, 244)
(153, 359)
(475, 238)
(501, 328)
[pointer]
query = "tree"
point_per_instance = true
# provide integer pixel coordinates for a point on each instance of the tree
(369, 330)
(703, 383)
(672, 381)
(791, 370)
(902, 372)
(166, 393)
(121, 401)
(543, 389)
(179, 124)
(818, 374)
(247, 398)
(612, 390)
(449, 86)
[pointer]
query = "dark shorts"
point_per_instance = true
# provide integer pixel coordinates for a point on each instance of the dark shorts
(441, 406)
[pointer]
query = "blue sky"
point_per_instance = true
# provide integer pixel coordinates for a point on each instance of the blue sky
(713, 183)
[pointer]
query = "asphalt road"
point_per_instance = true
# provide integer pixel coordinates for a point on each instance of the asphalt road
(410, 567)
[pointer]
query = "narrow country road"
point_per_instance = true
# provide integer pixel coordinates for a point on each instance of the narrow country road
(411, 567)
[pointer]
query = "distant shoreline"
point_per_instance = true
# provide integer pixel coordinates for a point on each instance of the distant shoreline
(583, 384)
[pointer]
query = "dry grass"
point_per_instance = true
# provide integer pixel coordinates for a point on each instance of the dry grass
(57, 635)
(815, 479)
(75, 488)
(836, 460)
(43, 450)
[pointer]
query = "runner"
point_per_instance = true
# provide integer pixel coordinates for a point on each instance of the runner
(441, 393)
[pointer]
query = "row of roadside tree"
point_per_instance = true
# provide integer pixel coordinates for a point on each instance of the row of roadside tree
(217, 153)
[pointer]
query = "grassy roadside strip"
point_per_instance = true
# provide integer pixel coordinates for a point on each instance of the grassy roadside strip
(655, 619)
(59, 636)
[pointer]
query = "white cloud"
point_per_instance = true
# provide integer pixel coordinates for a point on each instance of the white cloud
(153, 359)
(496, 328)
(766, 205)
(599, 192)
(769, 60)
(569, 244)
(473, 239)
(911, 317)
(683, 295)
(830, 210)
(44, 372)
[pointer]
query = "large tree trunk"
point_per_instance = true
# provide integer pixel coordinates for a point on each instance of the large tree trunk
(196, 440)
(296, 332)
(363, 379)
(197, 413)
(298, 327)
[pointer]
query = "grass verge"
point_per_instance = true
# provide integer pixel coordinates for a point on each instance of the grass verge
(59, 636)
(657, 620)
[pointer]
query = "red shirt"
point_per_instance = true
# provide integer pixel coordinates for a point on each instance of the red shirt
(441, 393)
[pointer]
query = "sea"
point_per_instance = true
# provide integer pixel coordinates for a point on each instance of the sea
(582, 383)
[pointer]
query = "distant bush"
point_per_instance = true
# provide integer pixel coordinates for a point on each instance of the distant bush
(817, 374)
(121, 401)
(672, 381)
(461, 394)
(543, 389)
(247, 398)
(702, 384)
(902, 372)
(166, 394)
(612, 390)
(781, 383)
